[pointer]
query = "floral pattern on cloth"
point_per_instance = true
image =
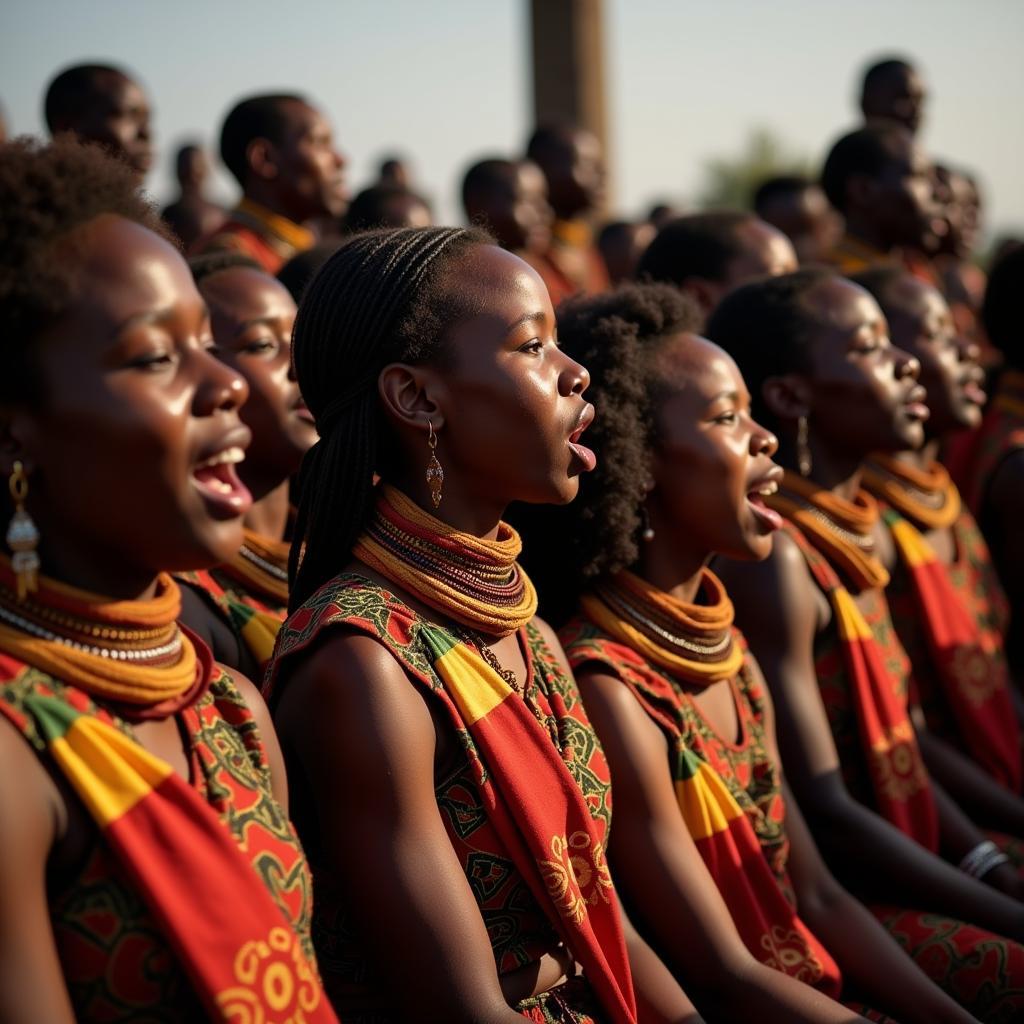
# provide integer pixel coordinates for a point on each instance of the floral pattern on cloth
(116, 961)
(519, 930)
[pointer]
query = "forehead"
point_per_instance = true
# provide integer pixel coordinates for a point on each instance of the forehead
(688, 363)
(117, 91)
(529, 177)
(842, 306)
(244, 293)
(301, 118)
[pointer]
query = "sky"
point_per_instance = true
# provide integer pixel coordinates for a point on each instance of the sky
(447, 81)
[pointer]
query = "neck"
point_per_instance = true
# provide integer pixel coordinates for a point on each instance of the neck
(465, 511)
(923, 457)
(665, 561)
(106, 574)
(269, 513)
(863, 229)
(268, 198)
(834, 471)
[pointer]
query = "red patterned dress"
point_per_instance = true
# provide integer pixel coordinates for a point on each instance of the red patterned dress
(116, 962)
(984, 972)
(520, 931)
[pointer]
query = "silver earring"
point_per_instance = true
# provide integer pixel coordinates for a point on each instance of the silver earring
(646, 530)
(803, 447)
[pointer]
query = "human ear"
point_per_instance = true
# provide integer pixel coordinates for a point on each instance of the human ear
(704, 292)
(261, 157)
(788, 397)
(409, 396)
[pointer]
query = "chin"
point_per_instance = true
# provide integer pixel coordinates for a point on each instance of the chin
(216, 544)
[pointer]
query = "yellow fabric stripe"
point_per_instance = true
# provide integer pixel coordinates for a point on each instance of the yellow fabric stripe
(852, 624)
(472, 683)
(110, 772)
(706, 804)
(914, 548)
(260, 633)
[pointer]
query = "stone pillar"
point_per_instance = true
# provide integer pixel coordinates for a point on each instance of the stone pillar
(567, 38)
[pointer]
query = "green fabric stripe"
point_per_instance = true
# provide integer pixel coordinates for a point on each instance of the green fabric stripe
(437, 641)
(687, 764)
(53, 716)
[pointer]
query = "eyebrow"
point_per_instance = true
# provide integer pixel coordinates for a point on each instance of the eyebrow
(529, 318)
(257, 321)
(156, 316)
(729, 393)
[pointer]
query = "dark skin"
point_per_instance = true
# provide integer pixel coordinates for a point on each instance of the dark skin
(301, 176)
(896, 95)
(134, 402)
(861, 396)
(895, 208)
(764, 252)
(574, 167)
(622, 247)
(117, 116)
(711, 455)
(921, 323)
(192, 216)
(514, 207)
(372, 753)
(808, 221)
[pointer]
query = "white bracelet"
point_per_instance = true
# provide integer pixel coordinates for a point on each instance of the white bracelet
(982, 859)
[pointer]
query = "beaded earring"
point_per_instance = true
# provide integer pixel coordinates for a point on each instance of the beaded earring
(22, 535)
(435, 472)
(646, 530)
(803, 447)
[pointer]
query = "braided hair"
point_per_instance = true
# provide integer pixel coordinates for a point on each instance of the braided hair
(383, 297)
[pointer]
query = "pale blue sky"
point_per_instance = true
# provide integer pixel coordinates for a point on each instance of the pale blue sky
(444, 81)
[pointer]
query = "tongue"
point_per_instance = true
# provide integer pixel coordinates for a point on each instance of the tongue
(218, 478)
(769, 515)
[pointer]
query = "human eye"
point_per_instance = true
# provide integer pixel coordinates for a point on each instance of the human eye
(727, 418)
(261, 346)
(533, 346)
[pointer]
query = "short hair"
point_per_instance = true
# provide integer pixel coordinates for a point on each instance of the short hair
(882, 281)
(767, 328)
(297, 273)
(369, 209)
(484, 175)
(46, 192)
(547, 139)
(182, 155)
(865, 151)
(779, 187)
(256, 117)
(71, 92)
(694, 245)
(209, 263)
(1003, 309)
(880, 69)
(567, 548)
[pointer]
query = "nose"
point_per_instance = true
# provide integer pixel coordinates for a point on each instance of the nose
(904, 364)
(967, 351)
(219, 389)
(762, 441)
(574, 378)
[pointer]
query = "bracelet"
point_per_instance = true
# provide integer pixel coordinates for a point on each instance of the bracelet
(979, 861)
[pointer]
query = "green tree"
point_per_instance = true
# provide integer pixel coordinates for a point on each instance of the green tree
(730, 181)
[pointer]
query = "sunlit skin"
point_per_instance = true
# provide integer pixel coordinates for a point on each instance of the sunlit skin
(302, 176)
(807, 219)
(515, 208)
(711, 468)
(860, 395)
(508, 407)
(132, 403)
(251, 315)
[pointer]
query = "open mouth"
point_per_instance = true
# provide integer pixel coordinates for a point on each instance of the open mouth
(764, 488)
(302, 412)
(914, 406)
(973, 392)
(582, 453)
(217, 481)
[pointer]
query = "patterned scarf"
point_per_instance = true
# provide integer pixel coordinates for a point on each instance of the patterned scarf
(927, 496)
(239, 951)
(974, 682)
(899, 778)
(722, 832)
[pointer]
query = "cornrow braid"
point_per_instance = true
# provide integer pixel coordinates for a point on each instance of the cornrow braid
(381, 298)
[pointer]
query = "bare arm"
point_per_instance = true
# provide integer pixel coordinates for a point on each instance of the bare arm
(364, 743)
(659, 998)
(268, 734)
(31, 980)
(776, 607)
(657, 865)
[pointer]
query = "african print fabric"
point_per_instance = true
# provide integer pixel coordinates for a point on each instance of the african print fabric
(730, 796)
(194, 900)
(533, 895)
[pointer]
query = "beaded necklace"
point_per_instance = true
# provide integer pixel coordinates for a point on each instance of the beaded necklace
(840, 529)
(128, 652)
(475, 582)
(262, 564)
(927, 497)
(692, 641)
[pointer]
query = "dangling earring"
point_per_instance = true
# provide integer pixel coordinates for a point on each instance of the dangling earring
(646, 530)
(435, 472)
(803, 447)
(22, 535)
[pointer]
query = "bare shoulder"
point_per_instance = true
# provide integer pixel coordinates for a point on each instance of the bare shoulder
(551, 639)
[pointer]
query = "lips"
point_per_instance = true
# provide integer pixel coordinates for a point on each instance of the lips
(759, 489)
(302, 412)
(581, 452)
(914, 404)
(971, 389)
(215, 477)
